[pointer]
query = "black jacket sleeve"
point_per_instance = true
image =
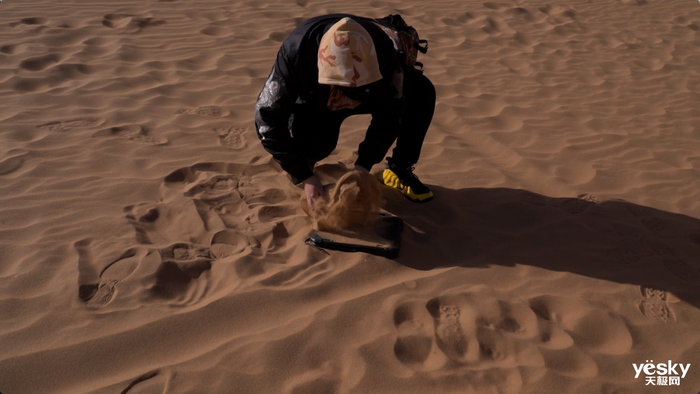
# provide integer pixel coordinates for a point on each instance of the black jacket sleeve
(272, 112)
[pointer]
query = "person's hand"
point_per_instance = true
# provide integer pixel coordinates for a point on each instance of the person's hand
(314, 190)
(361, 169)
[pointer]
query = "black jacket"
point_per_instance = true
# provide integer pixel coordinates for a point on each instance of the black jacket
(293, 85)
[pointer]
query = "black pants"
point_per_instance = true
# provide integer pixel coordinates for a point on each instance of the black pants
(420, 106)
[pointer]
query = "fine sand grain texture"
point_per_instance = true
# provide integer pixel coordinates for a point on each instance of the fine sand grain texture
(149, 245)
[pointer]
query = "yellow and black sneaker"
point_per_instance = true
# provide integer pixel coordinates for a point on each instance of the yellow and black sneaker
(406, 181)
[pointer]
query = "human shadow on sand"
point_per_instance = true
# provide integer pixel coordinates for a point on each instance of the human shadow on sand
(613, 240)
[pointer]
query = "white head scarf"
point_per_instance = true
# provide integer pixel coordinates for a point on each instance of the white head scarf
(347, 56)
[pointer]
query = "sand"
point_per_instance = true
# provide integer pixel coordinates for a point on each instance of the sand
(351, 205)
(148, 243)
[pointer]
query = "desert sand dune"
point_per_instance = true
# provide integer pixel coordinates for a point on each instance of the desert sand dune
(148, 244)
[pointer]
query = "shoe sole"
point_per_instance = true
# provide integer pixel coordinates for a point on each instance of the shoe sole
(392, 180)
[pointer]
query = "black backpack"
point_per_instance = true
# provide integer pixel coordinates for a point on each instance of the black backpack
(405, 39)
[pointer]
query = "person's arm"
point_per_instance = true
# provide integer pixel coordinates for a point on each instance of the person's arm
(272, 112)
(384, 128)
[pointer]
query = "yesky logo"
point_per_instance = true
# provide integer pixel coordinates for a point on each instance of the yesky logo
(662, 374)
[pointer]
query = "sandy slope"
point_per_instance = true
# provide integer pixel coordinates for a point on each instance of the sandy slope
(148, 244)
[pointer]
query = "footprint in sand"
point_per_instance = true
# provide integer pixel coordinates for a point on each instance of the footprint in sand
(469, 331)
(517, 319)
(655, 305)
(132, 133)
(584, 322)
(416, 346)
(182, 264)
(172, 274)
(221, 211)
(204, 216)
(220, 194)
(181, 220)
(64, 125)
(228, 190)
(211, 111)
(231, 136)
(183, 253)
(496, 348)
(97, 288)
(142, 222)
(553, 337)
(227, 243)
(451, 336)
(216, 186)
